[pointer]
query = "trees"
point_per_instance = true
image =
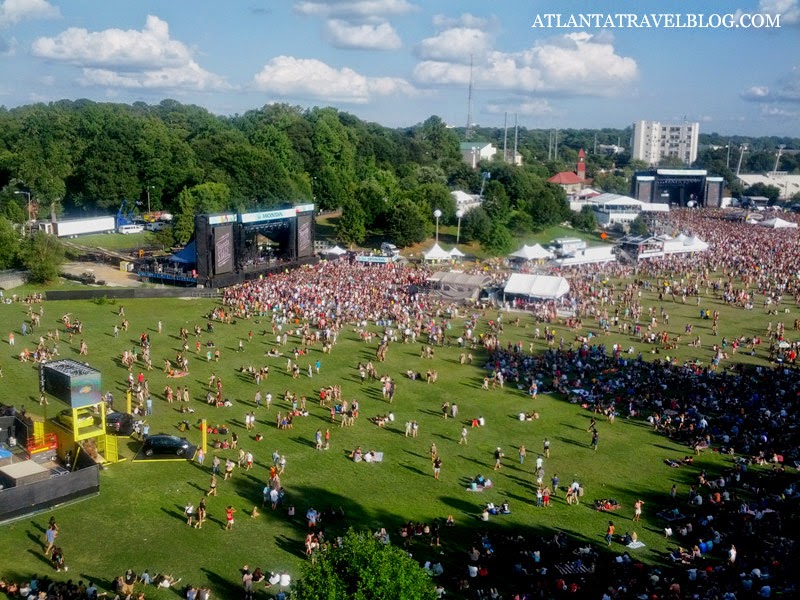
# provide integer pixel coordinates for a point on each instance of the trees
(639, 226)
(475, 225)
(42, 254)
(9, 244)
(199, 199)
(585, 220)
(351, 228)
(363, 568)
(406, 224)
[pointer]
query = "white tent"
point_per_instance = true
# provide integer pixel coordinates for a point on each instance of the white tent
(456, 253)
(545, 287)
(437, 253)
(778, 223)
(535, 252)
(685, 245)
(336, 251)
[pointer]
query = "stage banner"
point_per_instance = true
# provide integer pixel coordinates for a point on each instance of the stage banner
(223, 249)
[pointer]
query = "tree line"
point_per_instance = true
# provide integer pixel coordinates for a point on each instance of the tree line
(82, 158)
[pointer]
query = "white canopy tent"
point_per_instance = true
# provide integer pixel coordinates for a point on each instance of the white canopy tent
(436, 253)
(335, 251)
(545, 287)
(778, 223)
(535, 252)
(456, 253)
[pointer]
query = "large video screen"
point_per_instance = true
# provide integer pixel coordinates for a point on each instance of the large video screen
(223, 249)
(304, 241)
(72, 382)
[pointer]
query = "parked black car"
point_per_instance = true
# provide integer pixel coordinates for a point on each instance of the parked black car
(119, 423)
(163, 443)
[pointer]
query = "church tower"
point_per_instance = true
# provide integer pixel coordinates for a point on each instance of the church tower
(581, 169)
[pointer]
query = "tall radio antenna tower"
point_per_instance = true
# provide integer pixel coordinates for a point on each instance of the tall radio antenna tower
(468, 132)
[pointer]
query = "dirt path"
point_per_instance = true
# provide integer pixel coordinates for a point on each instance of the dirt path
(112, 277)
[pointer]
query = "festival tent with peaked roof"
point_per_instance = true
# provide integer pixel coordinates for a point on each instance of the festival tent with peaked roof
(535, 252)
(436, 253)
(456, 253)
(545, 287)
(778, 223)
(335, 251)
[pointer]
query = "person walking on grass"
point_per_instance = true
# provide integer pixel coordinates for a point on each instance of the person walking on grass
(498, 456)
(637, 509)
(522, 453)
(50, 537)
(189, 512)
(595, 439)
(229, 518)
(463, 438)
(437, 467)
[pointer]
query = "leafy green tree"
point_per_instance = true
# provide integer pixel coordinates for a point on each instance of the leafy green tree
(612, 183)
(497, 240)
(585, 220)
(351, 229)
(521, 223)
(549, 205)
(14, 212)
(639, 226)
(200, 199)
(496, 202)
(362, 568)
(42, 254)
(164, 238)
(9, 244)
(430, 196)
(475, 224)
(406, 224)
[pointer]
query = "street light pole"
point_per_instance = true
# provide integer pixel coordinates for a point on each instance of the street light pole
(437, 213)
(28, 207)
(459, 215)
(149, 187)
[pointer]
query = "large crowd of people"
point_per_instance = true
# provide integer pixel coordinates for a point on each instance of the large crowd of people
(739, 517)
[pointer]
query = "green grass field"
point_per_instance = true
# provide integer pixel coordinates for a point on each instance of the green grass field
(116, 241)
(137, 522)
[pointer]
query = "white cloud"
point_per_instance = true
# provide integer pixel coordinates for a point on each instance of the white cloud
(365, 36)
(129, 58)
(465, 20)
(756, 92)
(786, 90)
(353, 8)
(788, 9)
(772, 111)
(14, 11)
(456, 44)
(530, 108)
(314, 79)
(575, 63)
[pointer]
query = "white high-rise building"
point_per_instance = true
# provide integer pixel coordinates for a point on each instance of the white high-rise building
(654, 141)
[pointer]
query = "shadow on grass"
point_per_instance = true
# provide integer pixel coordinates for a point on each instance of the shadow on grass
(414, 469)
(572, 442)
(41, 557)
(223, 587)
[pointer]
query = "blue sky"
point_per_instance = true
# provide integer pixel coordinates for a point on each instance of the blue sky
(397, 62)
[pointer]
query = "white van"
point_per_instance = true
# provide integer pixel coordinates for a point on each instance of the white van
(126, 229)
(154, 226)
(388, 249)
